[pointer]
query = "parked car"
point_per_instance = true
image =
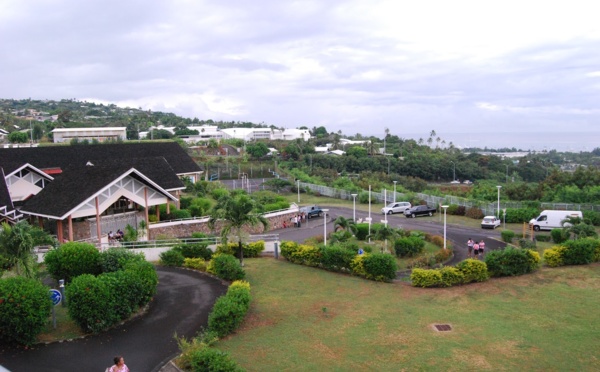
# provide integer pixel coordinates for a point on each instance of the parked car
(419, 210)
(467, 182)
(455, 182)
(397, 207)
(312, 211)
(490, 222)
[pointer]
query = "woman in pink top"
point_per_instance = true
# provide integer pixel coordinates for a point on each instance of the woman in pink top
(481, 247)
(119, 365)
(475, 250)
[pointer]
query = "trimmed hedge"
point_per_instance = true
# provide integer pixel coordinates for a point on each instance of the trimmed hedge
(512, 262)
(337, 258)
(171, 257)
(559, 236)
(507, 236)
(229, 310)
(209, 359)
(114, 259)
(580, 251)
(24, 309)
(409, 247)
(194, 250)
(251, 250)
(473, 270)
(73, 259)
(226, 267)
(444, 277)
(380, 267)
(553, 256)
(195, 263)
(520, 215)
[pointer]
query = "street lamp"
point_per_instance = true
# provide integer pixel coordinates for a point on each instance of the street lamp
(370, 219)
(354, 207)
(445, 207)
(395, 191)
(453, 171)
(298, 187)
(499, 187)
(504, 210)
(385, 202)
(325, 226)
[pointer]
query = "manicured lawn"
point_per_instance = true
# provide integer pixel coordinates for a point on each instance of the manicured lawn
(305, 319)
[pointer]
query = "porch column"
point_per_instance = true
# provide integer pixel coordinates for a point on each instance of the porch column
(178, 197)
(40, 222)
(168, 207)
(157, 212)
(59, 231)
(98, 227)
(146, 210)
(70, 228)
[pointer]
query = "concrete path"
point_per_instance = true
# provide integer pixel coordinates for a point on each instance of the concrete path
(183, 301)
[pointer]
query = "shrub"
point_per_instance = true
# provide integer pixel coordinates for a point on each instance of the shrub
(442, 255)
(542, 238)
(451, 276)
(592, 216)
(229, 310)
(145, 274)
(195, 263)
(473, 270)
(73, 259)
(254, 249)
(171, 257)
(507, 236)
(115, 259)
(452, 208)
(553, 256)
(199, 235)
(474, 213)
(194, 250)
(425, 278)
(358, 266)
(511, 262)
(362, 231)
(90, 303)
(125, 291)
(24, 309)
(380, 267)
(559, 236)
(226, 267)
(520, 215)
(208, 359)
(409, 247)
(288, 248)
(337, 258)
(579, 252)
(229, 248)
(438, 240)
(527, 244)
(306, 255)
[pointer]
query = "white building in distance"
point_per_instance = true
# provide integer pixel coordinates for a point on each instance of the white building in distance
(100, 134)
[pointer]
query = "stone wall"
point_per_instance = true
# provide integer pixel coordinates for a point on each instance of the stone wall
(184, 229)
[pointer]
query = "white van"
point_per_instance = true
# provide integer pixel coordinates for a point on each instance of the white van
(548, 220)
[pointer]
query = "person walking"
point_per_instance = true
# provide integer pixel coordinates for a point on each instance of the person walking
(476, 250)
(470, 243)
(481, 248)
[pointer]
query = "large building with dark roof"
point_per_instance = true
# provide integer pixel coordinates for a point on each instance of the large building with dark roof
(93, 183)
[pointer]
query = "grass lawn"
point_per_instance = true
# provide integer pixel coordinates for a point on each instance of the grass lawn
(306, 319)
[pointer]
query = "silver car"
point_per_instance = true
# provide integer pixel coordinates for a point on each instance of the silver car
(397, 207)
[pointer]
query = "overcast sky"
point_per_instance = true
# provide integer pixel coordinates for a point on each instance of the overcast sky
(457, 67)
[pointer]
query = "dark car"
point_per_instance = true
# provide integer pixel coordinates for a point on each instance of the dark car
(419, 210)
(312, 211)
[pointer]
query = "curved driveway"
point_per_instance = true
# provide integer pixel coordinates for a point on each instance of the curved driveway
(183, 301)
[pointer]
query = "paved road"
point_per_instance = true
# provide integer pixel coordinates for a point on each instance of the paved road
(458, 235)
(183, 301)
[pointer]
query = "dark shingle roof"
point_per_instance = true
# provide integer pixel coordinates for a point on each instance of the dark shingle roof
(62, 156)
(5, 200)
(78, 183)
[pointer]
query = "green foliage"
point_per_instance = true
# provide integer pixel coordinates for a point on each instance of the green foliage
(195, 263)
(426, 278)
(257, 150)
(209, 359)
(580, 251)
(194, 250)
(90, 303)
(362, 231)
(592, 217)
(198, 207)
(473, 270)
(18, 137)
(145, 274)
(507, 236)
(254, 249)
(226, 267)
(114, 259)
(219, 193)
(451, 276)
(474, 213)
(520, 215)
(357, 265)
(409, 247)
(171, 257)
(24, 309)
(229, 310)
(288, 248)
(583, 230)
(527, 244)
(306, 255)
(559, 235)
(553, 256)
(16, 246)
(511, 262)
(380, 267)
(73, 259)
(337, 258)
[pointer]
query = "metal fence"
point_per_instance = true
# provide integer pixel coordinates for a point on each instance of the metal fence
(487, 207)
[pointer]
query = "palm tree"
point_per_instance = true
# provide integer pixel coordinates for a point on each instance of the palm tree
(384, 233)
(346, 224)
(235, 212)
(17, 243)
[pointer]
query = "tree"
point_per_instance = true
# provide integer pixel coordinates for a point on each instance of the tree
(18, 137)
(384, 233)
(357, 151)
(16, 245)
(235, 212)
(346, 224)
(257, 150)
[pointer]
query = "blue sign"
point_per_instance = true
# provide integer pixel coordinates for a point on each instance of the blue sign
(55, 296)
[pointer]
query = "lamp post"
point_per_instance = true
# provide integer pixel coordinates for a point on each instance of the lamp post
(395, 191)
(499, 187)
(370, 219)
(298, 187)
(445, 207)
(354, 207)
(385, 203)
(504, 210)
(453, 171)
(325, 226)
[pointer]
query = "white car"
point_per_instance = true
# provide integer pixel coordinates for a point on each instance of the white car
(397, 207)
(490, 222)
(455, 182)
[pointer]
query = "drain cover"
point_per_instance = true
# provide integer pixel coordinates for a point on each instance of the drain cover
(443, 327)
